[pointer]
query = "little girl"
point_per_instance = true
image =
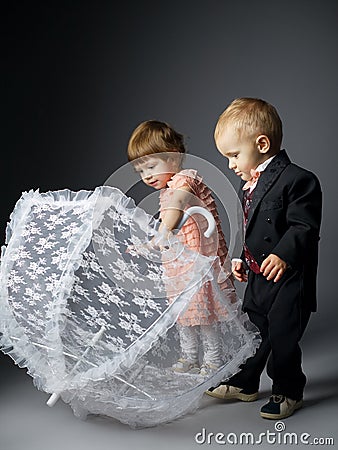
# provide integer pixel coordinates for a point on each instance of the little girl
(157, 151)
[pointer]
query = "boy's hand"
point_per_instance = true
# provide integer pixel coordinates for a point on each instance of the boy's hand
(273, 267)
(239, 271)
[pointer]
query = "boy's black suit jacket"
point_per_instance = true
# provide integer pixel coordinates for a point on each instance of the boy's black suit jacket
(284, 219)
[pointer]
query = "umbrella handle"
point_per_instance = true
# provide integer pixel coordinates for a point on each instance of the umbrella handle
(204, 212)
(55, 397)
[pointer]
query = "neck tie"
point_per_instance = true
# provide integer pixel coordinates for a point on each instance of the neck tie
(249, 259)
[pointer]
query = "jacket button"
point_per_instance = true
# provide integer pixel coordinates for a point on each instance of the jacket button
(269, 220)
(267, 238)
(263, 255)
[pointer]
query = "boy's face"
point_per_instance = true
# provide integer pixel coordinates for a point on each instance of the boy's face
(243, 152)
(155, 171)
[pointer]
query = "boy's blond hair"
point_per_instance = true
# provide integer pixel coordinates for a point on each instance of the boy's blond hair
(253, 117)
(154, 137)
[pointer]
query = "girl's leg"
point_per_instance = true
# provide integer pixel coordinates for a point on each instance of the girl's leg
(188, 361)
(212, 348)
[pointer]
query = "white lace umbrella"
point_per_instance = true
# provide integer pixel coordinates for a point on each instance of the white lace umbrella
(84, 306)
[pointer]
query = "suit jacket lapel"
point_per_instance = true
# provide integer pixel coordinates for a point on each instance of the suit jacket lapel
(266, 180)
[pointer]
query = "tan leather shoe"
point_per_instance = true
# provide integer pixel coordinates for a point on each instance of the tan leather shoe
(185, 366)
(225, 392)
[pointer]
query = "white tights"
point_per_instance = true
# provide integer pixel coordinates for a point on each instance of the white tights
(210, 337)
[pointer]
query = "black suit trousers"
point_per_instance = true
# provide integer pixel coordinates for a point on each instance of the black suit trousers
(278, 312)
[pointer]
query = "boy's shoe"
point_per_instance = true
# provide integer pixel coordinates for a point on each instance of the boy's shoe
(185, 366)
(280, 407)
(225, 392)
(208, 369)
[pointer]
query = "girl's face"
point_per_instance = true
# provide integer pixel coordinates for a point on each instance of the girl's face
(156, 171)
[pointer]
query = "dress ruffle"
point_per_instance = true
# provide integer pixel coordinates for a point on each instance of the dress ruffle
(191, 235)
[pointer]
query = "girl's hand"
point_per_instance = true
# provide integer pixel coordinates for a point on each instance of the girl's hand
(160, 242)
(239, 271)
(137, 249)
(141, 249)
(273, 267)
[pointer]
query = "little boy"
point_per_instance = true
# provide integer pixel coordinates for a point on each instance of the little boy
(282, 214)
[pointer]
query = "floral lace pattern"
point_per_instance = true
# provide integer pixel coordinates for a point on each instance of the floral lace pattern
(77, 264)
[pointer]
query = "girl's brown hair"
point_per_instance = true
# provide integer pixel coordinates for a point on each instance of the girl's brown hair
(152, 137)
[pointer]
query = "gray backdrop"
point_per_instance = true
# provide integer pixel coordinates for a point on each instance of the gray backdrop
(78, 76)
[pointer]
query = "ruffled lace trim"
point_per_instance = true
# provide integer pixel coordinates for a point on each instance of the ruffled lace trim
(41, 361)
(45, 359)
(26, 354)
(151, 412)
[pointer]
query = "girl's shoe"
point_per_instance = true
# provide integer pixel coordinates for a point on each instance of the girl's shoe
(185, 366)
(208, 369)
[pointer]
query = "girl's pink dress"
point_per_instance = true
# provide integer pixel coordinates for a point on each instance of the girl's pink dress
(204, 308)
